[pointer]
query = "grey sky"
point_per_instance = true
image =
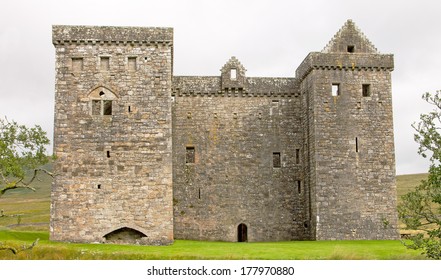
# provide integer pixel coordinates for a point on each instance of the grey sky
(270, 38)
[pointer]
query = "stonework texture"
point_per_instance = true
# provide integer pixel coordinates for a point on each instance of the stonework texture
(147, 157)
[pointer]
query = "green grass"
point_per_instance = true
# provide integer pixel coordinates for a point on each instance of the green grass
(34, 223)
(189, 250)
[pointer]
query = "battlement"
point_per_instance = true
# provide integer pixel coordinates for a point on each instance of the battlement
(63, 34)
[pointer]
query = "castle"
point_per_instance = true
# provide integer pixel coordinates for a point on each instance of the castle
(147, 157)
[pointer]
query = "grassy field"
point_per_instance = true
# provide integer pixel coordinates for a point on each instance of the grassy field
(31, 221)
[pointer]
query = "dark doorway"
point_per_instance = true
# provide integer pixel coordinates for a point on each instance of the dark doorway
(242, 233)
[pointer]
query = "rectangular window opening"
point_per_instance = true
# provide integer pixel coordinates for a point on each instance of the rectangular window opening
(190, 155)
(277, 163)
(96, 107)
(199, 193)
(297, 156)
(108, 154)
(356, 145)
(335, 90)
(104, 63)
(366, 90)
(233, 74)
(299, 186)
(351, 49)
(131, 63)
(77, 64)
(107, 107)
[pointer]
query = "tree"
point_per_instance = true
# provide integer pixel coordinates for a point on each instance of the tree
(421, 209)
(22, 152)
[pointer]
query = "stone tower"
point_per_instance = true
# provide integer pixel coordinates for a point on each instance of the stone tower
(348, 138)
(113, 135)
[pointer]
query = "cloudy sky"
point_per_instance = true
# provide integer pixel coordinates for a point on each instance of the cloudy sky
(270, 38)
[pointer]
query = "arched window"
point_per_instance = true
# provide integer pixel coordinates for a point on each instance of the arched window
(102, 101)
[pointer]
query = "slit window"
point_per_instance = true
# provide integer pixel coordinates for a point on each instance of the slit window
(297, 156)
(299, 186)
(366, 90)
(335, 91)
(356, 145)
(277, 163)
(189, 155)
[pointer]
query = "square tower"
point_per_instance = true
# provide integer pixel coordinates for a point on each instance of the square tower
(112, 135)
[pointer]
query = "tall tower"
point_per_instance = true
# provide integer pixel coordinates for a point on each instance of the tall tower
(113, 135)
(349, 143)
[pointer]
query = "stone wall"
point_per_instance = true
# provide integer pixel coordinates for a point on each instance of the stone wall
(112, 133)
(233, 180)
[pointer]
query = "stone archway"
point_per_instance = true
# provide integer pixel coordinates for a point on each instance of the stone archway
(124, 235)
(242, 233)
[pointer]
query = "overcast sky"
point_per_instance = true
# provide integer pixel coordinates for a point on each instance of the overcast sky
(270, 38)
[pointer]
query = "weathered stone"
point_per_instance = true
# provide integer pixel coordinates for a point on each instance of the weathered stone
(250, 159)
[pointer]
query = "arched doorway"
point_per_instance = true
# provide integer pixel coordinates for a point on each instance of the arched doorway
(242, 233)
(124, 235)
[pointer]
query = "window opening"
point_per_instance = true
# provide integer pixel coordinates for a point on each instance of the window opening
(190, 155)
(107, 107)
(335, 90)
(131, 63)
(297, 156)
(276, 160)
(351, 49)
(130, 109)
(299, 186)
(99, 186)
(77, 64)
(356, 144)
(105, 63)
(199, 194)
(366, 90)
(108, 154)
(242, 233)
(233, 74)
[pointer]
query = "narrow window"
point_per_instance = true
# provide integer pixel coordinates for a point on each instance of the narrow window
(131, 63)
(366, 90)
(276, 160)
(199, 193)
(96, 107)
(108, 154)
(356, 144)
(233, 74)
(351, 49)
(335, 90)
(190, 155)
(297, 156)
(77, 64)
(107, 107)
(299, 186)
(104, 63)
(99, 186)
(130, 109)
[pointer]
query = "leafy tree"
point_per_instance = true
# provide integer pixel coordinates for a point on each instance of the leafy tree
(421, 208)
(22, 151)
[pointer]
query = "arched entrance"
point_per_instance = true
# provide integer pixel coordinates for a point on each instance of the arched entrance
(124, 235)
(242, 233)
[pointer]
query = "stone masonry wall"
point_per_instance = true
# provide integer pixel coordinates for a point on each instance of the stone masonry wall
(112, 134)
(232, 180)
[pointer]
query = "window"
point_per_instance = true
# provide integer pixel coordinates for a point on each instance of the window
(299, 186)
(131, 63)
(105, 63)
(297, 156)
(335, 90)
(101, 100)
(351, 49)
(366, 90)
(233, 74)
(277, 163)
(356, 145)
(77, 64)
(189, 155)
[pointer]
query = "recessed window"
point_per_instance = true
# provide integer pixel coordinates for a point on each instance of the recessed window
(351, 49)
(297, 156)
(233, 74)
(277, 163)
(366, 90)
(189, 155)
(335, 90)
(77, 64)
(299, 186)
(102, 107)
(356, 145)
(131, 63)
(104, 63)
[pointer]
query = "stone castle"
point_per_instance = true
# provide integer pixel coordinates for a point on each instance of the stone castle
(147, 157)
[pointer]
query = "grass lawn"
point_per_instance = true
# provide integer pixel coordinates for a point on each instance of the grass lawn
(32, 222)
(203, 250)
